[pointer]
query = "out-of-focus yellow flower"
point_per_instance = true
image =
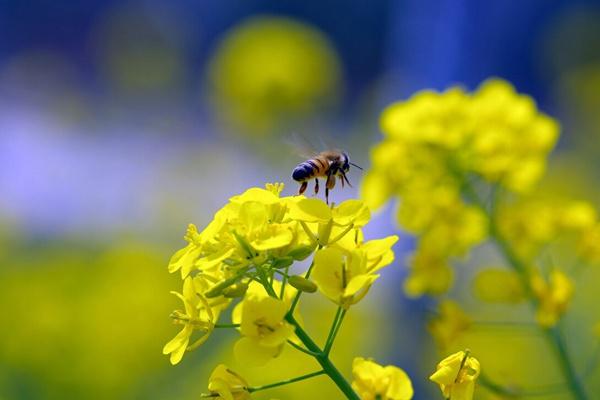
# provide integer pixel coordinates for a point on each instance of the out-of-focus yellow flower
(198, 315)
(373, 381)
(531, 223)
(263, 328)
(498, 285)
(553, 296)
(225, 384)
(449, 324)
(511, 139)
(429, 274)
(270, 70)
(589, 244)
(578, 216)
(436, 142)
(346, 276)
(456, 375)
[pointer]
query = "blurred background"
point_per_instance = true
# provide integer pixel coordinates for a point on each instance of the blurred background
(123, 121)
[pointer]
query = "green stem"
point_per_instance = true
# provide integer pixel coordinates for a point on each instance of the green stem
(335, 327)
(553, 334)
(334, 323)
(306, 276)
(286, 382)
(575, 385)
(323, 360)
(494, 387)
(283, 282)
(217, 326)
(303, 350)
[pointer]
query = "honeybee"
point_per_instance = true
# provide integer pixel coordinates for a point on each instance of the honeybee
(329, 165)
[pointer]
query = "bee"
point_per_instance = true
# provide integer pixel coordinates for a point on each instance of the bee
(329, 165)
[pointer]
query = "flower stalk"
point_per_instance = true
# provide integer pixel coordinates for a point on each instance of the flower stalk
(553, 333)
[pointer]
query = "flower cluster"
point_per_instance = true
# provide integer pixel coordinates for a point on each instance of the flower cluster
(433, 143)
(245, 255)
(466, 168)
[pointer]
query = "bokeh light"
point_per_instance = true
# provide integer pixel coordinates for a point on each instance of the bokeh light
(269, 71)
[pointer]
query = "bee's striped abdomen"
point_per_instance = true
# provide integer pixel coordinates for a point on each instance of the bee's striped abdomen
(309, 169)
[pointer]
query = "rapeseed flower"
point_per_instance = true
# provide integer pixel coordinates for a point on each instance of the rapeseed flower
(436, 143)
(553, 296)
(456, 375)
(225, 384)
(198, 316)
(263, 328)
(245, 254)
(375, 382)
(346, 276)
(449, 324)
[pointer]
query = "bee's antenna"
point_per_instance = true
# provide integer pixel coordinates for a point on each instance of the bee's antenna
(356, 166)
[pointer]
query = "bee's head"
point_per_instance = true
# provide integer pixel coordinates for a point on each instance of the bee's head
(345, 162)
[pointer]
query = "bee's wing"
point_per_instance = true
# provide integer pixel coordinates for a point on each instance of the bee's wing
(301, 145)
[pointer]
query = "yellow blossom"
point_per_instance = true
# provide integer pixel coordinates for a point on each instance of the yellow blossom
(258, 234)
(263, 328)
(198, 315)
(498, 285)
(325, 224)
(429, 274)
(437, 144)
(267, 70)
(589, 244)
(456, 375)
(373, 381)
(346, 276)
(449, 324)
(553, 296)
(225, 384)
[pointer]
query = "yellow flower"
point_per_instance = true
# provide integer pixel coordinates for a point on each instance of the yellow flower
(373, 381)
(553, 297)
(346, 276)
(326, 225)
(198, 315)
(429, 274)
(498, 285)
(435, 143)
(449, 324)
(270, 69)
(263, 328)
(225, 384)
(185, 258)
(456, 375)
(589, 244)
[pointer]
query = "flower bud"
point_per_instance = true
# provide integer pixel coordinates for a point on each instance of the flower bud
(237, 290)
(282, 262)
(301, 253)
(302, 284)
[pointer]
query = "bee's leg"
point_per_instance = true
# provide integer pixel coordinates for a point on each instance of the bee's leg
(302, 187)
(316, 186)
(345, 178)
(330, 184)
(342, 180)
